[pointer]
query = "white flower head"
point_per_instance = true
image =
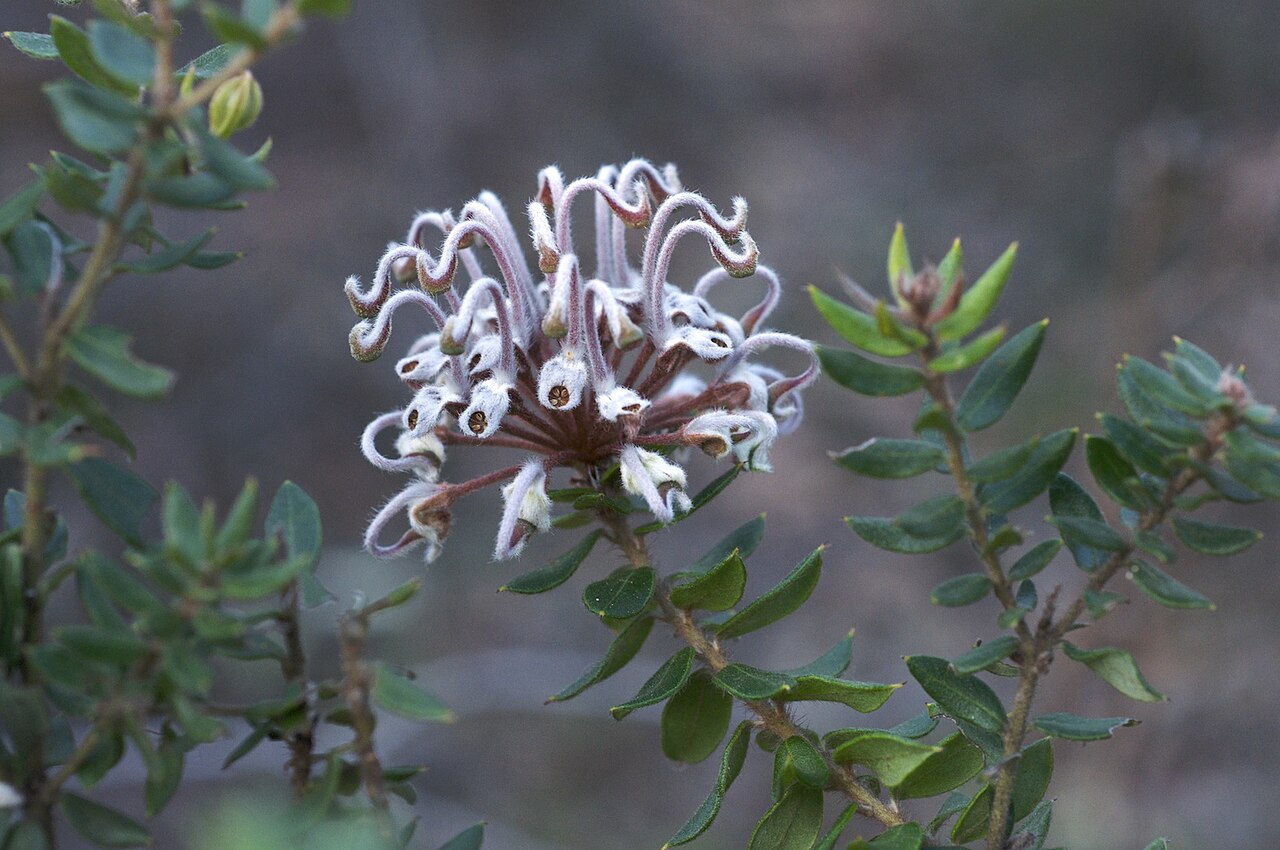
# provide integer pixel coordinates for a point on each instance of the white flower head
(620, 401)
(751, 444)
(562, 380)
(526, 509)
(705, 344)
(655, 479)
(424, 411)
(427, 448)
(426, 365)
(490, 400)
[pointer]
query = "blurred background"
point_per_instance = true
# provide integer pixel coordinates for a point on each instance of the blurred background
(1132, 148)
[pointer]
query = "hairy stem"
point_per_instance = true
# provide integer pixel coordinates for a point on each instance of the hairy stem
(771, 715)
(357, 688)
(301, 742)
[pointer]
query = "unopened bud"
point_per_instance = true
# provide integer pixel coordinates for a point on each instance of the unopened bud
(235, 105)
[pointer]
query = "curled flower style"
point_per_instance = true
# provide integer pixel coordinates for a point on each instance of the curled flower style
(580, 370)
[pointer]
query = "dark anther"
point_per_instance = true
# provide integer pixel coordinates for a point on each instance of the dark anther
(558, 396)
(477, 422)
(413, 418)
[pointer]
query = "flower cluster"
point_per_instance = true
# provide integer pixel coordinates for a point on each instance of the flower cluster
(583, 371)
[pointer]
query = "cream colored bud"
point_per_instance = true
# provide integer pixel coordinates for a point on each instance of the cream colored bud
(235, 105)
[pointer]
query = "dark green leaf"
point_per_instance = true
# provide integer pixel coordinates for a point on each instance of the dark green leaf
(961, 697)
(833, 662)
(906, 836)
(793, 823)
(1151, 414)
(623, 594)
(405, 698)
(230, 166)
(37, 45)
(745, 538)
(984, 655)
(932, 525)
(209, 260)
(169, 257)
(695, 719)
(104, 353)
(1034, 560)
(782, 599)
(1101, 602)
(1002, 464)
(857, 373)
(227, 27)
(1253, 464)
(891, 758)
(1139, 447)
(1091, 533)
(718, 589)
(880, 457)
(95, 416)
(976, 303)
(1158, 844)
(1068, 499)
(211, 62)
(21, 205)
(103, 826)
(112, 646)
(1073, 727)
(1155, 545)
(1115, 475)
(329, 8)
(200, 190)
(1117, 668)
(1034, 477)
(735, 753)
(623, 649)
(1034, 768)
(1166, 589)
(865, 697)
(125, 56)
(118, 497)
(991, 392)
(557, 572)
(917, 727)
(662, 685)
(1213, 539)
(296, 518)
(969, 354)
(961, 590)
(857, 327)
(804, 759)
(751, 683)
(470, 838)
(32, 251)
(899, 264)
(955, 763)
(77, 53)
(1161, 387)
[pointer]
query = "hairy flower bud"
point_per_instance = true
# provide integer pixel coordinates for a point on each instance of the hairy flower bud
(235, 105)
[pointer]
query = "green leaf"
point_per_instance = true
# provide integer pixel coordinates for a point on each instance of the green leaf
(180, 519)
(804, 759)
(1034, 477)
(1155, 545)
(955, 763)
(1138, 446)
(888, 756)
(838, 827)
(662, 685)
(978, 301)
(793, 823)
(1253, 464)
(899, 263)
(470, 838)
(1166, 589)
(752, 683)
(891, 328)
(745, 538)
(405, 698)
(1068, 499)
(37, 45)
(104, 353)
(623, 594)
(881, 457)
(329, 8)
(1115, 475)
(227, 27)
(735, 753)
(917, 727)
(1101, 602)
(95, 416)
(702, 497)
(200, 190)
(21, 205)
(961, 697)
(718, 589)
(949, 270)
(123, 55)
(111, 646)
(209, 260)
(1035, 827)
(557, 572)
(855, 372)
(103, 826)
(932, 525)
(1034, 560)
(1002, 464)
(865, 697)
(984, 655)
(782, 599)
(961, 590)
(1212, 539)
(211, 62)
(1035, 767)
(833, 662)
(296, 518)
(1158, 844)
(229, 165)
(32, 251)
(1092, 533)
(169, 257)
(116, 496)
(1073, 727)
(856, 327)
(77, 54)
(969, 354)
(906, 836)
(238, 525)
(1162, 387)
(695, 719)
(995, 386)
(1151, 414)
(1117, 668)
(623, 649)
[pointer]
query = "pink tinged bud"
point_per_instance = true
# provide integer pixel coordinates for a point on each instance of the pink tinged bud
(526, 509)
(1231, 385)
(489, 403)
(656, 480)
(620, 401)
(544, 239)
(562, 381)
